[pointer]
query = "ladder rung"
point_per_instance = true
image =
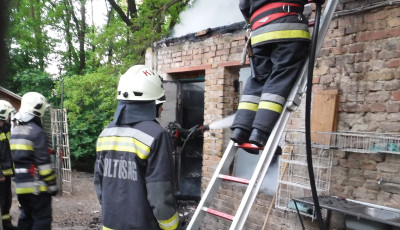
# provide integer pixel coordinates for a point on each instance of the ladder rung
(218, 213)
(250, 146)
(234, 179)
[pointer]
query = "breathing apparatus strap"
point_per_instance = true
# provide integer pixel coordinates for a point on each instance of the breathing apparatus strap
(272, 11)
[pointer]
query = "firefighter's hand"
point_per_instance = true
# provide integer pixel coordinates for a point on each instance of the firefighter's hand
(53, 189)
(2, 179)
(319, 2)
(51, 183)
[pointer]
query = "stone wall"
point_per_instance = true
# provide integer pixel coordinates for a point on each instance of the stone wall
(360, 57)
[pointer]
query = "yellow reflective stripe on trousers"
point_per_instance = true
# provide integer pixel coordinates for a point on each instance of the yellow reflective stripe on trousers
(270, 106)
(105, 228)
(171, 223)
(282, 34)
(7, 172)
(6, 217)
(248, 106)
(21, 147)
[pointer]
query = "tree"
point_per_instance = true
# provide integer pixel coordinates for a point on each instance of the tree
(80, 26)
(90, 75)
(29, 44)
(90, 102)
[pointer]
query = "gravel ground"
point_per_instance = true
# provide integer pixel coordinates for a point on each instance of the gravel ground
(81, 209)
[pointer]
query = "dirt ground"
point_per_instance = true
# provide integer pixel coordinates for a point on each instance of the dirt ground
(81, 209)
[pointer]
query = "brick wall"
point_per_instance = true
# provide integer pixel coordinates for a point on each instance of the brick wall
(360, 57)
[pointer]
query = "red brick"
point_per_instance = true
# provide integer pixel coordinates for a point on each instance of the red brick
(393, 63)
(378, 107)
(396, 96)
(356, 48)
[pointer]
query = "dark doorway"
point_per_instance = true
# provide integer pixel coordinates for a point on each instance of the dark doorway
(184, 114)
(191, 149)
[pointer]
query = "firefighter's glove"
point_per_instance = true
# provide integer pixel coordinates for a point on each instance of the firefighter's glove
(50, 180)
(52, 187)
(319, 2)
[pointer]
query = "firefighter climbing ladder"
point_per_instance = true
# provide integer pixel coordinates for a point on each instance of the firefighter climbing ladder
(253, 185)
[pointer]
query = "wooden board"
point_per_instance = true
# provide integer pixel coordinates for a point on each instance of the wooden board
(324, 115)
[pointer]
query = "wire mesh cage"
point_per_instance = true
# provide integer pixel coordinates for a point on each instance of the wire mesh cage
(362, 142)
(294, 179)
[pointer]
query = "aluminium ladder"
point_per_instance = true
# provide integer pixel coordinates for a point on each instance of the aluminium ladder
(253, 185)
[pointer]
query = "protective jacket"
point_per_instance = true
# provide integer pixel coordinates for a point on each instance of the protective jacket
(6, 164)
(7, 170)
(134, 175)
(275, 21)
(279, 42)
(33, 170)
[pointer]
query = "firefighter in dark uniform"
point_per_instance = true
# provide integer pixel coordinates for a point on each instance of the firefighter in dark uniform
(279, 44)
(34, 176)
(134, 174)
(6, 164)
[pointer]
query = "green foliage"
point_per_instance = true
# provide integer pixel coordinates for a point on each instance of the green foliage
(89, 93)
(90, 102)
(32, 80)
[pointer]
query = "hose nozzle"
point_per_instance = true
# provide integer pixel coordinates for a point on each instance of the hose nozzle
(204, 127)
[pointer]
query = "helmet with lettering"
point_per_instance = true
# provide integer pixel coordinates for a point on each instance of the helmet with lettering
(33, 103)
(140, 83)
(5, 109)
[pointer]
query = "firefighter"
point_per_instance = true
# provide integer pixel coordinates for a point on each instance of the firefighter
(6, 164)
(134, 174)
(34, 177)
(159, 105)
(279, 47)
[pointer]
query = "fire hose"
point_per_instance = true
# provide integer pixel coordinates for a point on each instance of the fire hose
(186, 134)
(308, 114)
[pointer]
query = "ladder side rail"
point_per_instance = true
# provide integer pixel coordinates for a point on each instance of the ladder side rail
(212, 187)
(266, 157)
(259, 172)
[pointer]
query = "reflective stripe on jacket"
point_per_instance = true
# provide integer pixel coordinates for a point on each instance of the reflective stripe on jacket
(291, 27)
(31, 158)
(6, 163)
(134, 177)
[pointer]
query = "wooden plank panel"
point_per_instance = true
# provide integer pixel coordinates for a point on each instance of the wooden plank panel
(324, 115)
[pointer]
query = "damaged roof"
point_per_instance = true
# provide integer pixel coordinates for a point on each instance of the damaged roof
(202, 35)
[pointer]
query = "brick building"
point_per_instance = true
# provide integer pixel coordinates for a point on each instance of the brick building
(359, 63)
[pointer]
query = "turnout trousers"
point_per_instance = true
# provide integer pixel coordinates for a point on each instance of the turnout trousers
(275, 68)
(35, 212)
(5, 199)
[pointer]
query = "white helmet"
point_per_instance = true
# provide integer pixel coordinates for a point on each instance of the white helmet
(33, 103)
(161, 100)
(139, 83)
(5, 109)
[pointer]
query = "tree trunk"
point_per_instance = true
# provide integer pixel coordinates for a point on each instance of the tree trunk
(81, 38)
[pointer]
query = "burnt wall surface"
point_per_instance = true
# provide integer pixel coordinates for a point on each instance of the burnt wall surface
(360, 57)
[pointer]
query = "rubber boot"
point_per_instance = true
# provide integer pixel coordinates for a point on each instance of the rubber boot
(240, 136)
(259, 137)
